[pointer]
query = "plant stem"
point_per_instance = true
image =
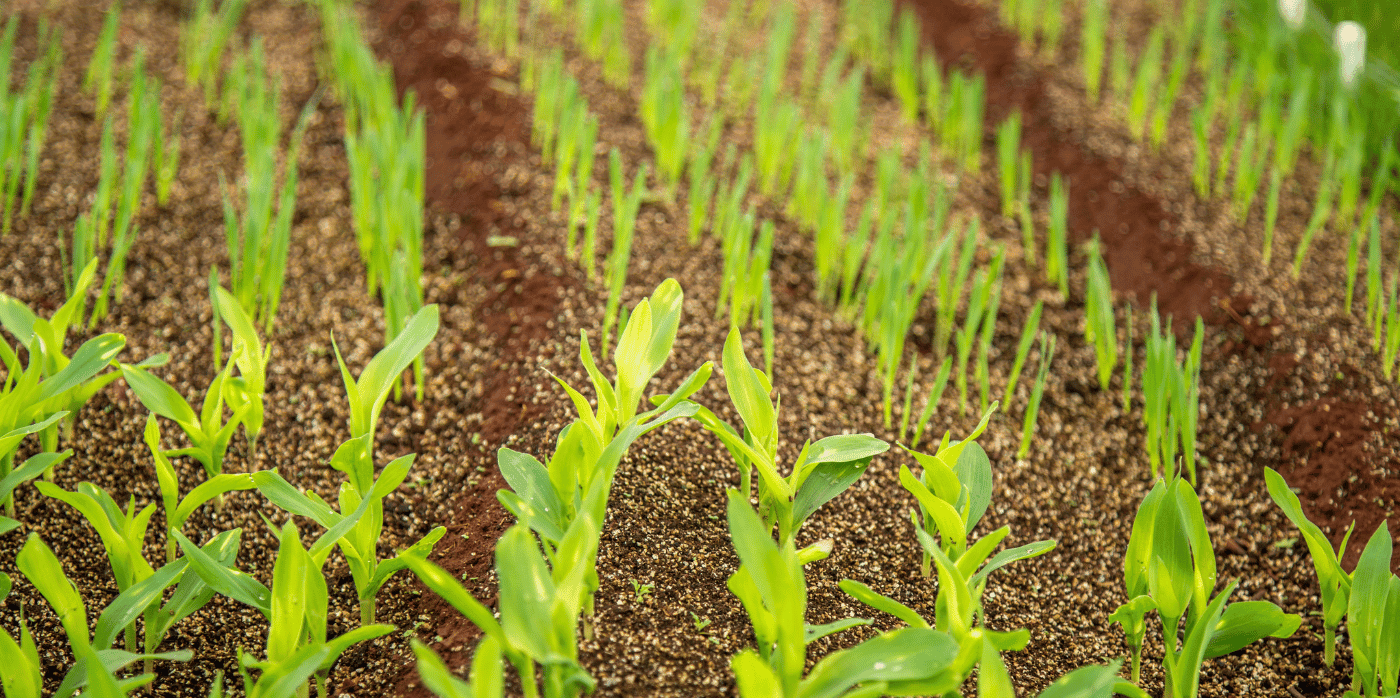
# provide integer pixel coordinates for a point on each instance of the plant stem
(367, 609)
(1329, 639)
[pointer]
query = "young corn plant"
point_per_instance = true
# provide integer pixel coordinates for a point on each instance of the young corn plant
(1098, 316)
(69, 382)
(355, 458)
(1333, 581)
(540, 603)
(1047, 354)
(626, 204)
(1023, 349)
(208, 433)
(244, 392)
(203, 40)
(98, 78)
(1171, 397)
(1092, 41)
(1373, 621)
(487, 678)
(905, 65)
(984, 285)
(940, 384)
(1008, 157)
(772, 587)
(664, 114)
(297, 648)
(32, 468)
(1057, 235)
(179, 509)
(37, 562)
(823, 469)
(1170, 568)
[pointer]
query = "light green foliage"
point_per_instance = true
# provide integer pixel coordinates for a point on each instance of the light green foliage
(244, 392)
(867, 26)
(1170, 568)
(1373, 620)
(980, 310)
(1171, 399)
(355, 458)
(600, 31)
(486, 681)
(1092, 41)
(771, 586)
(1023, 348)
(98, 78)
(1333, 581)
(1098, 315)
(823, 469)
(25, 115)
(167, 158)
(498, 21)
(177, 509)
(259, 239)
(540, 605)
(384, 144)
(940, 383)
(961, 122)
(746, 263)
(1057, 235)
(32, 467)
(702, 179)
(203, 40)
(626, 203)
(208, 433)
(905, 75)
(68, 382)
(37, 562)
(1047, 354)
(1146, 82)
(1008, 158)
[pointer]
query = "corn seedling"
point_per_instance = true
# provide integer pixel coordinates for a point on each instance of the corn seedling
(1098, 316)
(1128, 359)
(1170, 568)
(940, 383)
(844, 122)
(1008, 157)
(40, 84)
(1145, 82)
(984, 346)
(178, 509)
(1057, 235)
(664, 114)
(777, 132)
(244, 392)
(1047, 354)
(98, 78)
(1119, 67)
(1023, 349)
(167, 159)
(867, 28)
(823, 469)
(531, 591)
(69, 381)
(203, 40)
(771, 586)
(953, 493)
(1333, 581)
(983, 284)
(1177, 71)
(37, 562)
(259, 239)
(625, 203)
(1092, 41)
(1171, 394)
(703, 185)
(207, 431)
(962, 120)
(1373, 620)
(486, 680)
(905, 65)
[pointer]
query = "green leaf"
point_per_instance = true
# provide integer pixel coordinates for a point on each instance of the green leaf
(453, 593)
(24, 674)
(487, 677)
(1188, 666)
(748, 392)
(824, 481)
(817, 632)
(1085, 682)
(1009, 556)
(378, 378)
(226, 580)
(1366, 610)
(538, 503)
(10, 440)
(94, 355)
(754, 677)
(436, 676)
(131, 603)
(207, 490)
(526, 593)
(282, 680)
(1139, 553)
(340, 643)
(161, 398)
(950, 524)
(993, 681)
(1244, 622)
(38, 563)
(1319, 547)
(293, 501)
(289, 595)
(974, 471)
(33, 467)
(907, 654)
(864, 594)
